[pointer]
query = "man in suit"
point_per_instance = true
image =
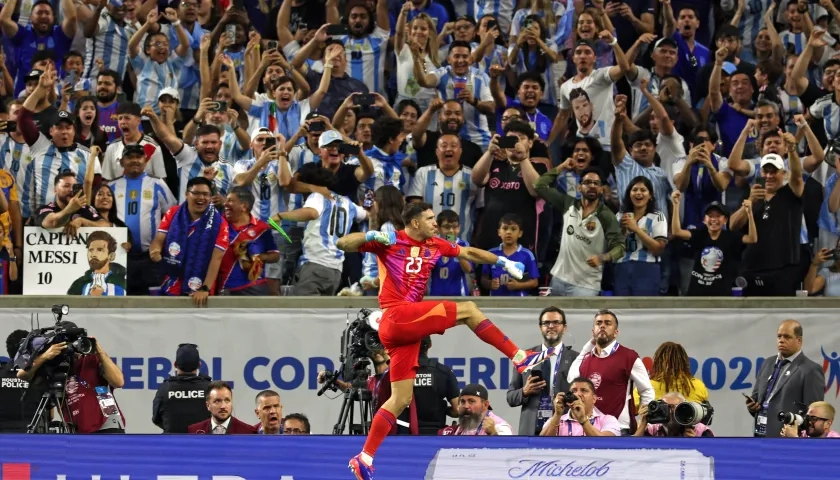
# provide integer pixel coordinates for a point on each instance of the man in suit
(532, 391)
(787, 382)
(220, 405)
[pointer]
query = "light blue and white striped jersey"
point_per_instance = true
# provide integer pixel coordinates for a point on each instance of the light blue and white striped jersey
(370, 267)
(189, 85)
(475, 127)
(141, 203)
(502, 10)
(521, 66)
(291, 49)
(335, 218)
(629, 169)
(559, 8)
(285, 122)
(655, 226)
(752, 20)
(299, 155)
(829, 221)
(456, 193)
(269, 196)
(828, 110)
(111, 290)
(16, 157)
(383, 173)
(231, 151)
(110, 44)
(238, 59)
(191, 166)
(640, 102)
(47, 162)
(366, 58)
(797, 40)
(152, 77)
(464, 7)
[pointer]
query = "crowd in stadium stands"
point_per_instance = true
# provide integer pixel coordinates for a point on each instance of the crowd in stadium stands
(635, 147)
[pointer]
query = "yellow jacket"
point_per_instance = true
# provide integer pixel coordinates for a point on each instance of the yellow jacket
(699, 393)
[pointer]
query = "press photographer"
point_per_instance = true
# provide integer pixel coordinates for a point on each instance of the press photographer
(817, 422)
(672, 416)
(79, 373)
(583, 419)
(19, 401)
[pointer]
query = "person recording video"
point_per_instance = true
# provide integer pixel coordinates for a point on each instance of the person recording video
(17, 410)
(90, 403)
(651, 426)
(583, 419)
(817, 423)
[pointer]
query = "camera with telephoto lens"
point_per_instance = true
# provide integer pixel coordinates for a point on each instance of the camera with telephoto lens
(361, 338)
(689, 414)
(658, 412)
(40, 340)
(792, 419)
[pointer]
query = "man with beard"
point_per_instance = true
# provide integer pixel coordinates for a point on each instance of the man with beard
(41, 34)
(68, 210)
(51, 157)
(691, 54)
(235, 141)
(107, 32)
(450, 121)
(105, 278)
(128, 120)
(366, 44)
(583, 113)
(243, 268)
(818, 422)
(220, 405)
(141, 201)
(535, 393)
(593, 236)
(475, 416)
(614, 370)
(462, 82)
(671, 428)
(107, 86)
(583, 418)
(270, 412)
(199, 160)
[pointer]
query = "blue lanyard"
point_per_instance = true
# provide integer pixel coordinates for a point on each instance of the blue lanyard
(569, 424)
(481, 425)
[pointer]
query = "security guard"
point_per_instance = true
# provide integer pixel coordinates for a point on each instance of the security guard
(179, 402)
(17, 411)
(434, 384)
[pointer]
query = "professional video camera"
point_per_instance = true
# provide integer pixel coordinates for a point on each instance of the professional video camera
(41, 339)
(686, 414)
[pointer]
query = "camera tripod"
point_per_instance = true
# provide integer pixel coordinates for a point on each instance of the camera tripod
(358, 402)
(52, 397)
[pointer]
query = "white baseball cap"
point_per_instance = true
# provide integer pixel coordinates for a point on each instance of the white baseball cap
(172, 92)
(329, 137)
(260, 131)
(773, 159)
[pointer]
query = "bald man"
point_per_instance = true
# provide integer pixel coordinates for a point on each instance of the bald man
(787, 382)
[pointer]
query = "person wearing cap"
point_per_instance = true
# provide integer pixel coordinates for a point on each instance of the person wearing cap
(772, 264)
(583, 418)
(349, 173)
(169, 101)
(51, 157)
(42, 33)
(715, 249)
(598, 84)
(44, 113)
(141, 201)
(128, 115)
(664, 56)
(475, 416)
(179, 400)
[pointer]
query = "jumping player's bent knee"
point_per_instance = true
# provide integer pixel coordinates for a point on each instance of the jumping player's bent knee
(466, 309)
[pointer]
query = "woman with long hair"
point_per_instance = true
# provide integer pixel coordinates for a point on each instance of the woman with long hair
(86, 120)
(386, 216)
(420, 36)
(646, 232)
(671, 372)
(104, 203)
(549, 11)
(534, 52)
(590, 23)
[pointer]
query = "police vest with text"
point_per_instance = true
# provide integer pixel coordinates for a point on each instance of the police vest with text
(185, 404)
(16, 411)
(429, 393)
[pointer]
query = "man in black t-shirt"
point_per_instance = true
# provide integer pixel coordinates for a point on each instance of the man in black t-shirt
(509, 187)
(451, 121)
(348, 176)
(68, 210)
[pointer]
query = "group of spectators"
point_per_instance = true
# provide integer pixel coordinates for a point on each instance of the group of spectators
(614, 148)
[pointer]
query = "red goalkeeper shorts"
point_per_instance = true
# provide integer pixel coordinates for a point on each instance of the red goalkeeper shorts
(403, 327)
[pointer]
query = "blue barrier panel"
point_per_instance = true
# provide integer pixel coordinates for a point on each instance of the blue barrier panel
(55, 457)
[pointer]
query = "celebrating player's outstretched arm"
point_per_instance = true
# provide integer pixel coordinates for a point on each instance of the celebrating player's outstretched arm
(477, 255)
(352, 242)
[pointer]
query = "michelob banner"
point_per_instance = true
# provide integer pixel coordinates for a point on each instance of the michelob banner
(283, 349)
(93, 262)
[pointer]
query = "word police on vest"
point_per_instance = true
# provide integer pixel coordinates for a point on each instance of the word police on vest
(423, 380)
(187, 394)
(13, 383)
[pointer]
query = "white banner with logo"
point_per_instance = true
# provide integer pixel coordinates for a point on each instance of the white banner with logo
(504, 464)
(284, 349)
(93, 262)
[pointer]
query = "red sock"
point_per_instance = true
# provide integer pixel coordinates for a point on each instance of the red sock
(381, 425)
(490, 334)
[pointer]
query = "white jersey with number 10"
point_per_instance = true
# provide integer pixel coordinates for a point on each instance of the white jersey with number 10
(335, 217)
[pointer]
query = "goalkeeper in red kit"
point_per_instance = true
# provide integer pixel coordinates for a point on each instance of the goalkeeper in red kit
(406, 259)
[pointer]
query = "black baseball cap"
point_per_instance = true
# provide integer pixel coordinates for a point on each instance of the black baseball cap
(133, 150)
(475, 390)
(65, 116)
(719, 207)
(34, 74)
(186, 358)
(587, 43)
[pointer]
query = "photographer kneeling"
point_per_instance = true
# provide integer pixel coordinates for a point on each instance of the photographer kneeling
(583, 419)
(661, 423)
(90, 402)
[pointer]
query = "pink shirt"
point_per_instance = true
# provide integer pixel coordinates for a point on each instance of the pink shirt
(502, 427)
(699, 429)
(830, 434)
(603, 423)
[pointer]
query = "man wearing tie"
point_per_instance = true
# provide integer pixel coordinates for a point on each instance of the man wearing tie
(531, 391)
(220, 405)
(785, 383)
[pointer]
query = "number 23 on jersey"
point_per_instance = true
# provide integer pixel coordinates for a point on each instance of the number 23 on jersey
(413, 265)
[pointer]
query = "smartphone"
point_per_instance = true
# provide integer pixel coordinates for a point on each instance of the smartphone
(317, 126)
(219, 107)
(508, 141)
(337, 30)
(11, 126)
(748, 397)
(270, 142)
(761, 182)
(77, 187)
(491, 24)
(230, 31)
(538, 374)
(271, 45)
(368, 201)
(364, 100)
(348, 149)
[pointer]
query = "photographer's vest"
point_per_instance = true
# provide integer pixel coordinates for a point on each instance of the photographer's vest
(184, 403)
(431, 406)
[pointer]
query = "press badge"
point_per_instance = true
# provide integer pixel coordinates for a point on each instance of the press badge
(106, 401)
(761, 424)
